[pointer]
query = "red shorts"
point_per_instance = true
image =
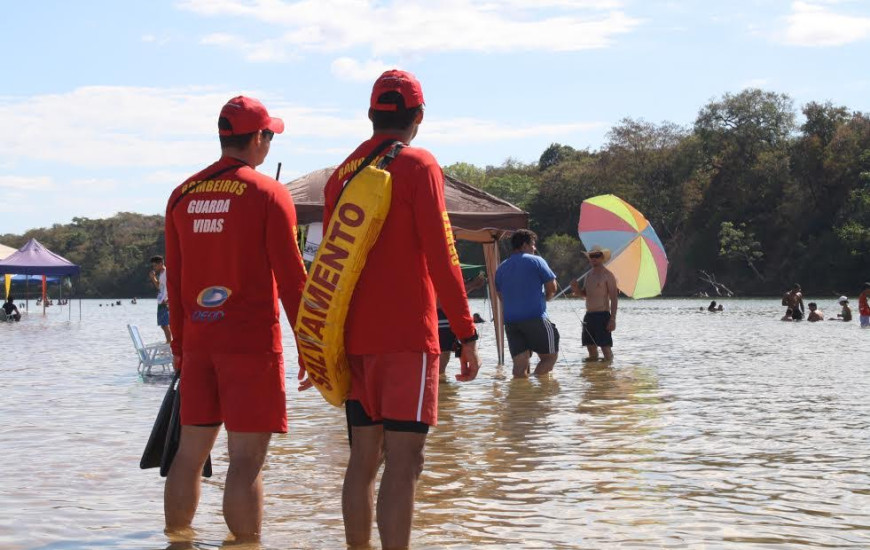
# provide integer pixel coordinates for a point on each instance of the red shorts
(245, 391)
(396, 386)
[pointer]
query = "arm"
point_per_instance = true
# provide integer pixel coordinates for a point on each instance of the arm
(282, 251)
(436, 238)
(475, 283)
(173, 286)
(285, 259)
(547, 277)
(577, 290)
(550, 289)
(613, 294)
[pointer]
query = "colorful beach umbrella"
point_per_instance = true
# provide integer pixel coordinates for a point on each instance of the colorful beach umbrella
(638, 258)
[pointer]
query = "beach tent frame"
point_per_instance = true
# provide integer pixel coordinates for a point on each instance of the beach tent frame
(475, 216)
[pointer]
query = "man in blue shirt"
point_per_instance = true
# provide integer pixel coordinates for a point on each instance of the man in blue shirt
(525, 282)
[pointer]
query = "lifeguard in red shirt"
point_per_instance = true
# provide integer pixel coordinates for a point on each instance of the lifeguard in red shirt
(391, 332)
(231, 240)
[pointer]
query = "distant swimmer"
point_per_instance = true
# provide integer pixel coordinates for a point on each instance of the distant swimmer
(712, 306)
(794, 301)
(845, 311)
(815, 313)
(11, 309)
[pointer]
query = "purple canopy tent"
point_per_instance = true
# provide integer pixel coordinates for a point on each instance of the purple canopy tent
(35, 259)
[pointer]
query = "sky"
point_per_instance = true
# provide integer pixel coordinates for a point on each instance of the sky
(107, 105)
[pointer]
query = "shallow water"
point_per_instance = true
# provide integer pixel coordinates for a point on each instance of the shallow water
(709, 430)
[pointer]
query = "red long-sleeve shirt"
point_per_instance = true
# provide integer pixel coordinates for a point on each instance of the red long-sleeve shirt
(231, 253)
(393, 305)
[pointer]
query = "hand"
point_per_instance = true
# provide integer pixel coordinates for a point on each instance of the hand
(176, 362)
(469, 362)
(611, 324)
(304, 381)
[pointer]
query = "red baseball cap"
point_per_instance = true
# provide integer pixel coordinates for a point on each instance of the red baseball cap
(246, 115)
(397, 81)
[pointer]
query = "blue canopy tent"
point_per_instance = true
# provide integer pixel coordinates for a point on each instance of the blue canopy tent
(35, 259)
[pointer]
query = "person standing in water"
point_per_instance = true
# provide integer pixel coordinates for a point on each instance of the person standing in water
(393, 358)
(602, 299)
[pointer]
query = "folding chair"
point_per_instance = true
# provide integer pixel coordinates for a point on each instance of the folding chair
(151, 355)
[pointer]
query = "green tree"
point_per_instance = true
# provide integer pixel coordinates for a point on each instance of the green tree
(516, 188)
(554, 154)
(737, 242)
(564, 257)
(467, 173)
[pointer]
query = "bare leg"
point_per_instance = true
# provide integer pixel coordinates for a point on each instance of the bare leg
(521, 365)
(546, 363)
(593, 352)
(243, 494)
(181, 492)
(608, 354)
(442, 362)
(403, 464)
(166, 333)
(358, 493)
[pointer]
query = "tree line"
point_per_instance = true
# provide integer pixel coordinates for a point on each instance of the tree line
(746, 195)
(113, 252)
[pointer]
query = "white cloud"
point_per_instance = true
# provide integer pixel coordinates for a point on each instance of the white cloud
(171, 130)
(346, 68)
(99, 126)
(26, 183)
(154, 39)
(264, 51)
(419, 26)
(814, 24)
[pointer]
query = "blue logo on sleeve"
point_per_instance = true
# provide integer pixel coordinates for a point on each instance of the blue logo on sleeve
(213, 296)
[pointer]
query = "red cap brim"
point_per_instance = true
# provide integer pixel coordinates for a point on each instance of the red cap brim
(276, 125)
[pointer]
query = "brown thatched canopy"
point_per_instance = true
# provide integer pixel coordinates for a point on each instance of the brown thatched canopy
(474, 214)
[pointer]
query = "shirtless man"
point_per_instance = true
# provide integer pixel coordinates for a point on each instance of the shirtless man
(815, 313)
(602, 297)
(794, 301)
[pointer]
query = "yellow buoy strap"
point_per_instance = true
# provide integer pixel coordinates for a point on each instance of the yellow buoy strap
(397, 146)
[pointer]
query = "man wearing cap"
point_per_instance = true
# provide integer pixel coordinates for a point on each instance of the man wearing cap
(231, 239)
(524, 283)
(394, 357)
(602, 299)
